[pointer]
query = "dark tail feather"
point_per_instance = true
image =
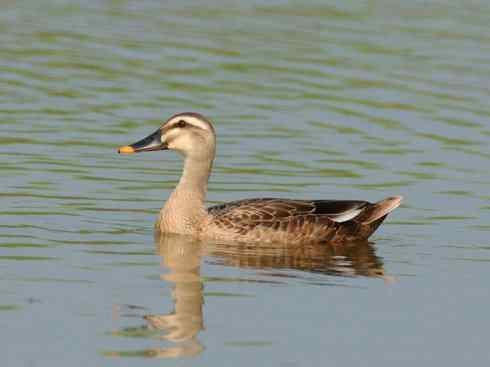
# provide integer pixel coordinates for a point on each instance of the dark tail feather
(378, 210)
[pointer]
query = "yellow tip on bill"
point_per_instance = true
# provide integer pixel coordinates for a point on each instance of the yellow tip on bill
(126, 149)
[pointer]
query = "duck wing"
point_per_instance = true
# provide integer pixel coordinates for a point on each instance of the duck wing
(302, 221)
(270, 210)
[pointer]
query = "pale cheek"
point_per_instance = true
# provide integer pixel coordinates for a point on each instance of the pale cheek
(172, 146)
(170, 139)
(169, 136)
(182, 144)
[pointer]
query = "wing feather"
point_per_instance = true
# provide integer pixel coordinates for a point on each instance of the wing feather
(284, 214)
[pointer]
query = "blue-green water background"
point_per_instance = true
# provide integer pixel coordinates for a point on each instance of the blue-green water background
(335, 99)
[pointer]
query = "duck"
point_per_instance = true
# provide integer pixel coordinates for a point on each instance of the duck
(264, 220)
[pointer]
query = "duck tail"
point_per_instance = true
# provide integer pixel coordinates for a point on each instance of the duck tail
(378, 210)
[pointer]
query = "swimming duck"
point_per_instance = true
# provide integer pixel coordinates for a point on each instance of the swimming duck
(249, 220)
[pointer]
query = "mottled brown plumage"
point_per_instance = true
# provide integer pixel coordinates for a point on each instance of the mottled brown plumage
(298, 221)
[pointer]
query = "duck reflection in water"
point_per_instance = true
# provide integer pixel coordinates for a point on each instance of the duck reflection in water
(348, 259)
(181, 258)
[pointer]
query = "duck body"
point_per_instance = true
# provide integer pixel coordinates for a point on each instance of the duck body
(249, 220)
(296, 221)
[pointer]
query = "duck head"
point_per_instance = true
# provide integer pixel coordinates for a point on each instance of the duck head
(188, 133)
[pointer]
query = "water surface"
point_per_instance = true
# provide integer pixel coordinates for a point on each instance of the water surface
(355, 100)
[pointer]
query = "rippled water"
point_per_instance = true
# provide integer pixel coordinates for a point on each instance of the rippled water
(357, 100)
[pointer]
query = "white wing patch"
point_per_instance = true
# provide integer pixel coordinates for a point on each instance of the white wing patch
(347, 215)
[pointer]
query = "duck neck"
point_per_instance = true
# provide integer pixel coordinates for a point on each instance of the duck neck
(184, 209)
(194, 180)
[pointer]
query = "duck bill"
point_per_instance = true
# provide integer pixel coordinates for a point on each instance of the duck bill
(150, 143)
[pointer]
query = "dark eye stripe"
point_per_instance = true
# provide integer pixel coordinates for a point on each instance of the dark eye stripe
(180, 124)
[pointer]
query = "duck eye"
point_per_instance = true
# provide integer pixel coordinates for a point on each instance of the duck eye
(181, 124)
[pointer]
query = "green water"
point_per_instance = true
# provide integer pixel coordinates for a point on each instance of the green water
(336, 99)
